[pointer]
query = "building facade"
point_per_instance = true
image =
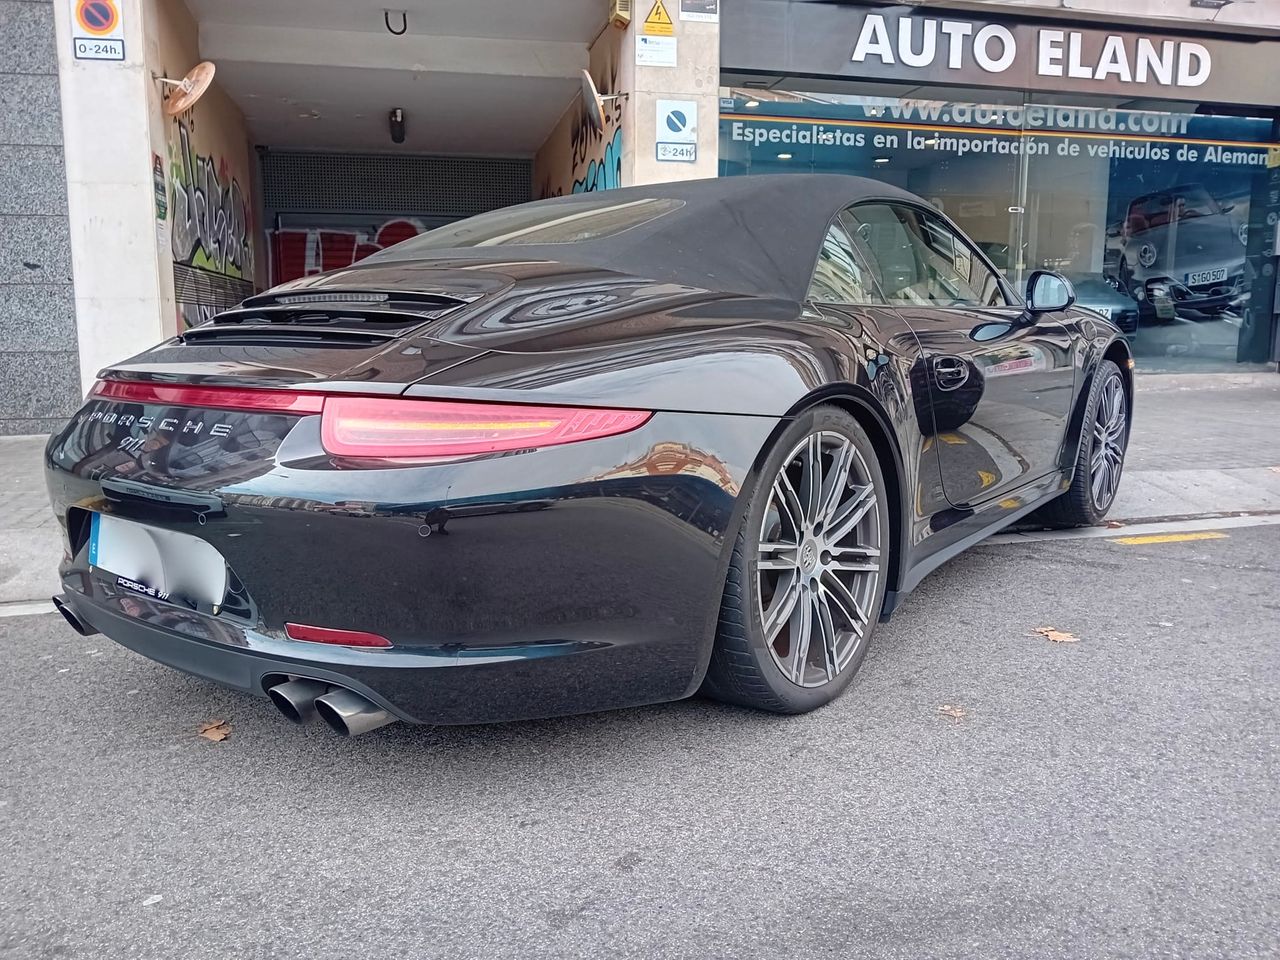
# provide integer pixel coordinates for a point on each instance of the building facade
(1140, 159)
(1138, 154)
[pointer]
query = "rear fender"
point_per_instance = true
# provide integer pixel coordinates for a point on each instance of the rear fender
(866, 408)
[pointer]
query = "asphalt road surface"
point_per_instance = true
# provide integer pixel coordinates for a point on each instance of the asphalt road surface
(1112, 797)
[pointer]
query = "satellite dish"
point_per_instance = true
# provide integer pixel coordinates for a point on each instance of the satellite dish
(189, 89)
(593, 103)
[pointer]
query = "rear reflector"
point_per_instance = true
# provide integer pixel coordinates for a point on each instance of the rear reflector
(218, 398)
(398, 429)
(341, 638)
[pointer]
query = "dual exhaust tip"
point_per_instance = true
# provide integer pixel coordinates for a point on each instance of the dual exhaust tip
(345, 712)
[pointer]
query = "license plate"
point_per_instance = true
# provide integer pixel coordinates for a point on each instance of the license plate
(157, 563)
(1105, 311)
(1206, 276)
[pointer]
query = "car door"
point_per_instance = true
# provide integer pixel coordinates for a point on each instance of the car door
(843, 294)
(999, 379)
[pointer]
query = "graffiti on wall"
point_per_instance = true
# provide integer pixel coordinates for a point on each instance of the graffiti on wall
(595, 157)
(211, 234)
(605, 173)
(302, 252)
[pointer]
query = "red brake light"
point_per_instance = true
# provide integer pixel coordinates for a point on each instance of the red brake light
(342, 638)
(395, 428)
(218, 398)
(399, 429)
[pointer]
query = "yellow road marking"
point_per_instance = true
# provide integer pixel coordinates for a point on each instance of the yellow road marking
(1171, 537)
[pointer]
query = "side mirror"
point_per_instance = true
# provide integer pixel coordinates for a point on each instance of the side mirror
(1048, 291)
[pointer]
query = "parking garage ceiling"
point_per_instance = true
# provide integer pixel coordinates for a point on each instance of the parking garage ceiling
(474, 77)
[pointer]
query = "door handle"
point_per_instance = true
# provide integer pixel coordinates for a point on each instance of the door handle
(950, 373)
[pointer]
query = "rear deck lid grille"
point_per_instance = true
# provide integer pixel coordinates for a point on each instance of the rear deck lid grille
(358, 318)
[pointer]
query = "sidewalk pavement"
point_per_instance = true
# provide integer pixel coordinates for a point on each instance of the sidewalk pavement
(1201, 445)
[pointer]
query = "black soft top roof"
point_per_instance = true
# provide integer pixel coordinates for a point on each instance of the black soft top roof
(757, 235)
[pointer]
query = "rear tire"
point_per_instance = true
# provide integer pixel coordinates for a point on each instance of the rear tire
(810, 560)
(1100, 460)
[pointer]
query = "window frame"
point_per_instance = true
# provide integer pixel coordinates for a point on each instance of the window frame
(1011, 297)
(861, 260)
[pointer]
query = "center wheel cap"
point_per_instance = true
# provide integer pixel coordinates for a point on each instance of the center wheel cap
(808, 556)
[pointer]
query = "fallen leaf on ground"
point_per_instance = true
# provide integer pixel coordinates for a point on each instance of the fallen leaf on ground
(215, 730)
(152, 900)
(1057, 636)
(952, 711)
(1114, 524)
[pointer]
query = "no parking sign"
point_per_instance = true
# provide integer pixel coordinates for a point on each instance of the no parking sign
(677, 131)
(96, 30)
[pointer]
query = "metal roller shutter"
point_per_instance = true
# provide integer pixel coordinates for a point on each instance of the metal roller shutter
(325, 211)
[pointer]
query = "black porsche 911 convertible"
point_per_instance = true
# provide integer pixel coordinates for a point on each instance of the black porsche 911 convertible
(585, 453)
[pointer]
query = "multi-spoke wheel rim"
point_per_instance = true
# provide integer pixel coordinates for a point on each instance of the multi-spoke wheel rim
(818, 560)
(1107, 457)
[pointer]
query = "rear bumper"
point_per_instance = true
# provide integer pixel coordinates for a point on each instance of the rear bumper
(561, 581)
(419, 686)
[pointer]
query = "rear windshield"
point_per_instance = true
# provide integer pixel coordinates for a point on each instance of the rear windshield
(530, 224)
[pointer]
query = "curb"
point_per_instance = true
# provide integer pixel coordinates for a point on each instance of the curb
(1157, 382)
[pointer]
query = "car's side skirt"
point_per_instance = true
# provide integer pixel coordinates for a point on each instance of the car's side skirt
(982, 523)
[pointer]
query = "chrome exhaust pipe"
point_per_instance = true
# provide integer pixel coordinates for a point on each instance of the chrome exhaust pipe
(78, 625)
(296, 699)
(350, 714)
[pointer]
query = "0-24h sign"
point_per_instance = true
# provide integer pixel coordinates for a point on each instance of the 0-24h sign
(97, 30)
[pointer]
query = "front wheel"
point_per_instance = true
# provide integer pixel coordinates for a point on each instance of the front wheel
(807, 577)
(1101, 458)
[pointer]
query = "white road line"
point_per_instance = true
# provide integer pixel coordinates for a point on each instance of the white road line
(26, 608)
(1139, 529)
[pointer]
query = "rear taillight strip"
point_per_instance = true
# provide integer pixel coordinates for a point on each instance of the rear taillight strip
(217, 398)
(399, 428)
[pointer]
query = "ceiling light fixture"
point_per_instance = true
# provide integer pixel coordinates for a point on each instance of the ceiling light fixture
(881, 160)
(752, 103)
(784, 156)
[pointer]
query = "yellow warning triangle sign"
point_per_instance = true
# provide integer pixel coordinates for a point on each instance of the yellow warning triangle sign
(658, 22)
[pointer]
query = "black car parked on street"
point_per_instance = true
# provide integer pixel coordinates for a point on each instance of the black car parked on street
(585, 453)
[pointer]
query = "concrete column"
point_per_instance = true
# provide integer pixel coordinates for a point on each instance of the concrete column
(110, 195)
(696, 77)
(39, 384)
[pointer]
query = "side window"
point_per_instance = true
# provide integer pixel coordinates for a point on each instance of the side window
(840, 275)
(922, 261)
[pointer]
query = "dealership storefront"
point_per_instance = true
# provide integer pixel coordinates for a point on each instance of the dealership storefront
(1144, 165)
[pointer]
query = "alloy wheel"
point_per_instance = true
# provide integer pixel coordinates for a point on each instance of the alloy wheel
(1107, 456)
(818, 559)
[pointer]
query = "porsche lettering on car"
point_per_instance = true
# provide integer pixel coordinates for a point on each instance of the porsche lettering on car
(585, 453)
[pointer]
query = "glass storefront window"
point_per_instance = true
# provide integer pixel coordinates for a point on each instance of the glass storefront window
(1164, 221)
